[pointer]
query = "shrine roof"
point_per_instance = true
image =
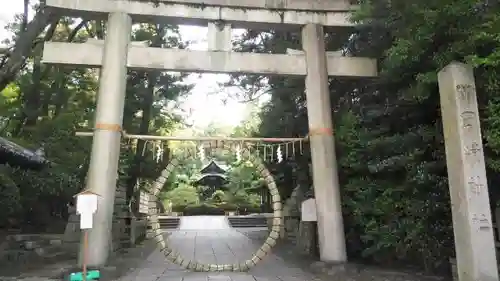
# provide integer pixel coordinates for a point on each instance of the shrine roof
(208, 179)
(211, 175)
(214, 168)
(16, 155)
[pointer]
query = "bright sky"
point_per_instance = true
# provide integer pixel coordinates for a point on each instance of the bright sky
(203, 104)
(207, 102)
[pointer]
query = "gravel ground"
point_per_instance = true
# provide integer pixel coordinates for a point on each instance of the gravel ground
(120, 264)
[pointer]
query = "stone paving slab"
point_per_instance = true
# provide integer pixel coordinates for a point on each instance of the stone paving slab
(216, 243)
(204, 223)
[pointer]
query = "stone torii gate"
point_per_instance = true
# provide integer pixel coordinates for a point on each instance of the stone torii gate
(466, 169)
(117, 53)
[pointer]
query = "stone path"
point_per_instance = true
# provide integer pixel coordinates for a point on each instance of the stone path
(204, 223)
(211, 240)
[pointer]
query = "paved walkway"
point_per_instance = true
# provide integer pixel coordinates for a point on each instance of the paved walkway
(210, 239)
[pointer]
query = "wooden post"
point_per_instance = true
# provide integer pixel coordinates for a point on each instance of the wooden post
(497, 224)
(85, 254)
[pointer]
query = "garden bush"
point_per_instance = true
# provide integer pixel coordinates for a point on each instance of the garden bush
(228, 207)
(203, 209)
(178, 208)
(248, 209)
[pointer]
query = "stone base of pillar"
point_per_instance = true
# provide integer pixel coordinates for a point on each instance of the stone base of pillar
(454, 272)
(340, 270)
(72, 233)
(121, 215)
(291, 225)
(307, 238)
(138, 229)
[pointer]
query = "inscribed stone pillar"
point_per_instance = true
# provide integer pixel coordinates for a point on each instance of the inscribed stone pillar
(470, 205)
(324, 162)
(102, 174)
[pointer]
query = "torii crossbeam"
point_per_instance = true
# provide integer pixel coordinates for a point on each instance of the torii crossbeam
(222, 139)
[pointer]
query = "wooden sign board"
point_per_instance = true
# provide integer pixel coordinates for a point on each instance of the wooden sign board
(86, 206)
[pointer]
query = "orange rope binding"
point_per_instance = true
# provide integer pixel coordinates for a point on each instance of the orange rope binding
(108, 127)
(321, 132)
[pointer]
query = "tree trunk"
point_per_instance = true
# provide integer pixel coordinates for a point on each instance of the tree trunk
(30, 109)
(57, 89)
(23, 46)
(33, 100)
(146, 107)
(33, 106)
(24, 23)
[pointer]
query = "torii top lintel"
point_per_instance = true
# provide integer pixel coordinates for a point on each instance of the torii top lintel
(294, 5)
(260, 14)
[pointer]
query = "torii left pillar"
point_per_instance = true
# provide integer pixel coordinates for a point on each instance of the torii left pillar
(103, 168)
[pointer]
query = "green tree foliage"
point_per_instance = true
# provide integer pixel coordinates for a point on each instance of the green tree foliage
(244, 185)
(388, 130)
(182, 196)
(148, 94)
(43, 106)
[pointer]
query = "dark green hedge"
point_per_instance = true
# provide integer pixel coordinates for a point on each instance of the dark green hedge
(214, 210)
(245, 210)
(199, 210)
(229, 207)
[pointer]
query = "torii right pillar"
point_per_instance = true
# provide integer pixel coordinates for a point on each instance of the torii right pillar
(324, 162)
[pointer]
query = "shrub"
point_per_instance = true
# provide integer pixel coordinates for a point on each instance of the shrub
(228, 207)
(248, 209)
(203, 209)
(178, 208)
